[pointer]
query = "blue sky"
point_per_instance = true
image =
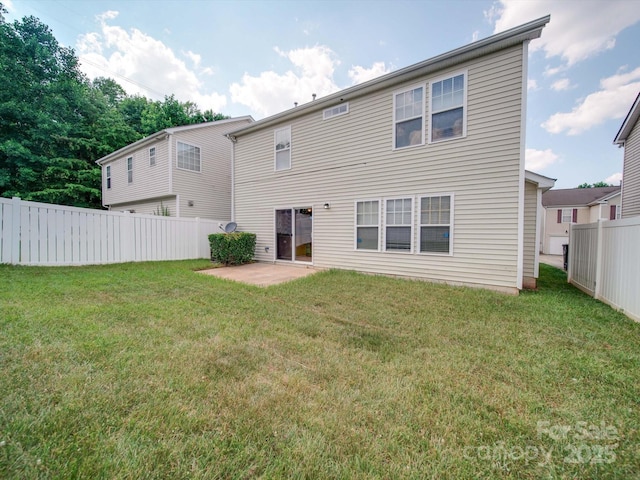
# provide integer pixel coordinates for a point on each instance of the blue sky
(258, 58)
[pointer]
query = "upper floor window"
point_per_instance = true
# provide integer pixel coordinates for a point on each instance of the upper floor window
(188, 157)
(367, 225)
(435, 224)
(567, 215)
(408, 113)
(335, 111)
(152, 156)
(130, 170)
(108, 175)
(282, 142)
(398, 232)
(448, 108)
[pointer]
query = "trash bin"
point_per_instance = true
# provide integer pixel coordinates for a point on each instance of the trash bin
(565, 255)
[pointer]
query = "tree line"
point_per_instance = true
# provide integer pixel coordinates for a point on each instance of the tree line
(55, 123)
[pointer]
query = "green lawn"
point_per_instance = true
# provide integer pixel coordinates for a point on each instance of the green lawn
(153, 371)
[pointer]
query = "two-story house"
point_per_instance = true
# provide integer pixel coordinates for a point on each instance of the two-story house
(418, 173)
(629, 137)
(181, 171)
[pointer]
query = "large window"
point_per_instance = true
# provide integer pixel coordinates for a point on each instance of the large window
(408, 111)
(448, 105)
(188, 157)
(435, 224)
(130, 170)
(108, 175)
(282, 141)
(152, 156)
(367, 225)
(398, 225)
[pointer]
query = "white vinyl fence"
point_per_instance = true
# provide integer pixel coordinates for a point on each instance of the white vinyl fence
(604, 261)
(43, 234)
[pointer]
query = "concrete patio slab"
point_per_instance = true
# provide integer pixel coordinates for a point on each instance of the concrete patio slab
(261, 274)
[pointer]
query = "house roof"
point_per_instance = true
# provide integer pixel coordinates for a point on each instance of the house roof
(578, 197)
(499, 41)
(545, 183)
(167, 131)
(629, 122)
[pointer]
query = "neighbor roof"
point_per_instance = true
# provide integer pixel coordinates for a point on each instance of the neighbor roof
(167, 131)
(499, 41)
(629, 122)
(577, 196)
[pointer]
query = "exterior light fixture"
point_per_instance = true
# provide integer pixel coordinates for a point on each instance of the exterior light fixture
(327, 206)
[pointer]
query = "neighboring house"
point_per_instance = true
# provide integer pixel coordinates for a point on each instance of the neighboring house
(418, 173)
(629, 138)
(185, 171)
(575, 205)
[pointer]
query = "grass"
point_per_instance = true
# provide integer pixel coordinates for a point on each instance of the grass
(153, 371)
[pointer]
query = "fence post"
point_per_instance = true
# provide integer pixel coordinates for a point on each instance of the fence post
(597, 288)
(15, 230)
(570, 247)
(197, 238)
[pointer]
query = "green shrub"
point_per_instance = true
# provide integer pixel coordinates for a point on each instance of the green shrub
(232, 248)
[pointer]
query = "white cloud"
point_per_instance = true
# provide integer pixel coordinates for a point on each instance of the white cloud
(560, 85)
(475, 35)
(142, 64)
(532, 84)
(614, 179)
(577, 30)
(270, 92)
(539, 159)
(194, 57)
(611, 102)
(359, 74)
(551, 71)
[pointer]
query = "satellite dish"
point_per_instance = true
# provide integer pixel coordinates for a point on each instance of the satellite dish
(230, 227)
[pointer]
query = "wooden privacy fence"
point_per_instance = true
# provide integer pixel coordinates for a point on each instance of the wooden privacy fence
(604, 261)
(43, 234)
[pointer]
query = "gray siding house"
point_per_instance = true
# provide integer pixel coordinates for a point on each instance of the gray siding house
(186, 170)
(418, 173)
(629, 138)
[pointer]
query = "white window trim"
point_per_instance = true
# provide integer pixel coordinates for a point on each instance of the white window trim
(355, 224)
(191, 145)
(383, 216)
(107, 175)
(424, 115)
(129, 171)
(464, 72)
(275, 163)
(327, 115)
(152, 156)
(420, 224)
(570, 210)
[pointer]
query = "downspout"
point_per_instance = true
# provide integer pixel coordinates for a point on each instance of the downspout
(234, 140)
(170, 150)
(521, 186)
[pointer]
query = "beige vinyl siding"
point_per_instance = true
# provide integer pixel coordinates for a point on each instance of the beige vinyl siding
(149, 206)
(631, 175)
(350, 158)
(148, 181)
(209, 189)
(529, 273)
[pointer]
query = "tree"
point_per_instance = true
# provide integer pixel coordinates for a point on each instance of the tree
(594, 185)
